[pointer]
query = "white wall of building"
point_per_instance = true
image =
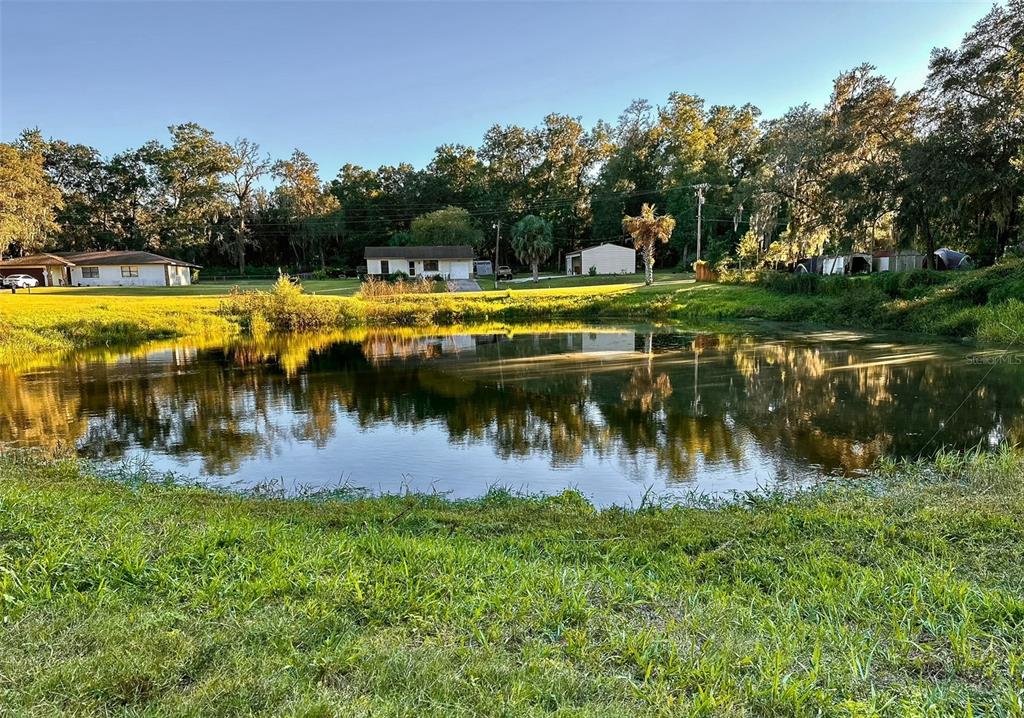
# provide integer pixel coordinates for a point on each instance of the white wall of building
(833, 265)
(902, 262)
(179, 276)
(150, 275)
(841, 265)
(609, 341)
(450, 268)
(606, 258)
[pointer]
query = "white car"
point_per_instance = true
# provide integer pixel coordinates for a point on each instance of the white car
(20, 281)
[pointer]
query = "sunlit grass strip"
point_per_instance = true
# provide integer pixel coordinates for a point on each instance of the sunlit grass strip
(38, 326)
(896, 596)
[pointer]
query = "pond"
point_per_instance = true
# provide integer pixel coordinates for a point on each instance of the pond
(616, 412)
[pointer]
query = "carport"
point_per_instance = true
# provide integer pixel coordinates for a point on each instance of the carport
(49, 269)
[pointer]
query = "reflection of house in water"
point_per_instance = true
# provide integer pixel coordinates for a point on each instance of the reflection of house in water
(694, 406)
(173, 356)
(482, 339)
(380, 347)
(593, 342)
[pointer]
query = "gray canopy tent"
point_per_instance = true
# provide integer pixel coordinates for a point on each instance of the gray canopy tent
(950, 259)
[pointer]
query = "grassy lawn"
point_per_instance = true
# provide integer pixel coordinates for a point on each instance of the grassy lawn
(347, 287)
(44, 322)
(563, 282)
(338, 287)
(899, 596)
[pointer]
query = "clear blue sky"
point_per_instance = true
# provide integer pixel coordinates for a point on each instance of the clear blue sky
(379, 83)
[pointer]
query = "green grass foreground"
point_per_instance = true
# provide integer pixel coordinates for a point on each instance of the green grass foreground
(897, 596)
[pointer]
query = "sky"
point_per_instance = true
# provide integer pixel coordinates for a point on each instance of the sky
(377, 83)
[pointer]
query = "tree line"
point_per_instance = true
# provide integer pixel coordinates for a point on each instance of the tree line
(870, 169)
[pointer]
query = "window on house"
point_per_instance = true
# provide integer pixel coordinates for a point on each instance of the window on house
(429, 265)
(129, 271)
(385, 268)
(412, 268)
(90, 272)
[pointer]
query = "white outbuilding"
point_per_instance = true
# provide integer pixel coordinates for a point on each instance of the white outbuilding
(603, 259)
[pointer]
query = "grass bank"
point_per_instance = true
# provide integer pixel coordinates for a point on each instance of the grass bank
(986, 304)
(34, 324)
(898, 596)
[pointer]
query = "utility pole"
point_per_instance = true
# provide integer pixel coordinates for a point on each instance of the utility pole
(497, 244)
(700, 190)
(736, 220)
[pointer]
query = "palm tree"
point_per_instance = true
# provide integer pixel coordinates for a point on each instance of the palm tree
(531, 241)
(647, 230)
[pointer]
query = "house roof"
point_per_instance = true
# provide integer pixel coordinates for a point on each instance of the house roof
(595, 246)
(37, 260)
(92, 259)
(430, 252)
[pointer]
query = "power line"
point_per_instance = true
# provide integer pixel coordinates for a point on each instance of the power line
(399, 214)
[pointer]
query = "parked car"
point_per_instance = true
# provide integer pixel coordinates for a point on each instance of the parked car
(20, 281)
(504, 273)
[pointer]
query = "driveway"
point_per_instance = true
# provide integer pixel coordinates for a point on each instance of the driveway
(522, 280)
(465, 285)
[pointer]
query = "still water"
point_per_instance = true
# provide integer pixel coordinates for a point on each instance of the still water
(614, 412)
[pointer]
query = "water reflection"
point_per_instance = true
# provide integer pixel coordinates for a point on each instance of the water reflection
(606, 409)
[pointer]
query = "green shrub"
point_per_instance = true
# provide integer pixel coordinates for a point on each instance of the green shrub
(785, 283)
(908, 285)
(1006, 291)
(374, 288)
(837, 285)
(285, 308)
(974, 290)
(962, 323)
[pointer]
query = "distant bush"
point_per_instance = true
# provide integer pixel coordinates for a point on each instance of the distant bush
(786, 283)
(734, 275)
(250, 271)
(285, 308)
(908, 285)
(1006, 291)
(374, 288)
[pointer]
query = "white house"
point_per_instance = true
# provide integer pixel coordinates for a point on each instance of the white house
(101, 269)
(846, 264)
(604, 258)
(449, 262)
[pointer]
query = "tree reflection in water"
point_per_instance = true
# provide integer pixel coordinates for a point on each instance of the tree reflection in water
(681, 400)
